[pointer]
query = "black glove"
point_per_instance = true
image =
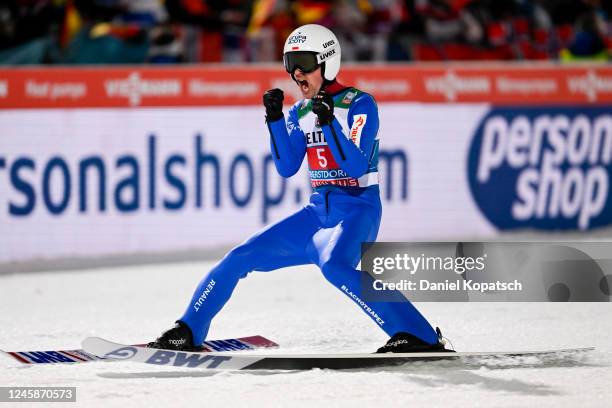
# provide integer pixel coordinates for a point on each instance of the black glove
(273, 101)
(323, 107)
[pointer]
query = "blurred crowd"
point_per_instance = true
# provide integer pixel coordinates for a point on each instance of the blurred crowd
(234, 31)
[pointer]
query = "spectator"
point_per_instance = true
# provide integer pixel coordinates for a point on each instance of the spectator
(590, 34)
(172, 31)
(407, 30)
(364, 27)
(103, 37)
(28, 29)
(271, 23)
(212, 27)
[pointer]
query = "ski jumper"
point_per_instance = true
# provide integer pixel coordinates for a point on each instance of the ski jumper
(344, 211)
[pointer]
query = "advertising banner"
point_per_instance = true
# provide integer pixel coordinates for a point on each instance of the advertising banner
(223, 85)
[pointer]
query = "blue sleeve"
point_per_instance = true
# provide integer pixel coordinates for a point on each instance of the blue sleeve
(287, 143)
(354, 157)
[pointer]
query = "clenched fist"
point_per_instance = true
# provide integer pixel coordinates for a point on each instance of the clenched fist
(273, 101)
(323, 107)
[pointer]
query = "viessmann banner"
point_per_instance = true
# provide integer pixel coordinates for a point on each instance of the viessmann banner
(242, 85)
(117, 161)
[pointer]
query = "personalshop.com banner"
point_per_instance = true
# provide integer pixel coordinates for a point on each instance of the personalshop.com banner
(125, 173)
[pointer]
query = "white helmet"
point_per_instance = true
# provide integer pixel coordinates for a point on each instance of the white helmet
(312, 45)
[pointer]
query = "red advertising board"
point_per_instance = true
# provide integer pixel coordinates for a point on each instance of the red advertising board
(207, 85)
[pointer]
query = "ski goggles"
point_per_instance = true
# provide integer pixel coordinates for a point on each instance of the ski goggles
(306, 61)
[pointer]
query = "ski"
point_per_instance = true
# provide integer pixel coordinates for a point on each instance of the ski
(82, 356)
(236, 361)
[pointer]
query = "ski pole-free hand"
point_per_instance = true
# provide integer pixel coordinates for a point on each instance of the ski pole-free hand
(273, 101)
(323, 107)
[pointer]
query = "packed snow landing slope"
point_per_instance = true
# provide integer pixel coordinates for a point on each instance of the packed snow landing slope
(297, 308)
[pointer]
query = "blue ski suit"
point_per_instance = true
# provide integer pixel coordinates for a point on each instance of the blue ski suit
(344, 211)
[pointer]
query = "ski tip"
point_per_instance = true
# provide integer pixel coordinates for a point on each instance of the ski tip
(14, 356)
(259, 342)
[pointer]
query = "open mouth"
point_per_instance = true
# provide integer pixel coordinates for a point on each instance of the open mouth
(303, 85)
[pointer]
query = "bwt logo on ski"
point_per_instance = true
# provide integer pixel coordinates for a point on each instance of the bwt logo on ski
(179, 359)
(543, 168)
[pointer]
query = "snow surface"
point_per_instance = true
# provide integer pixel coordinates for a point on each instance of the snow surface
(297, 308)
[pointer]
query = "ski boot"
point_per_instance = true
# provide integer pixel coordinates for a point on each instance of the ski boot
(177, 338)
(407, 343)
